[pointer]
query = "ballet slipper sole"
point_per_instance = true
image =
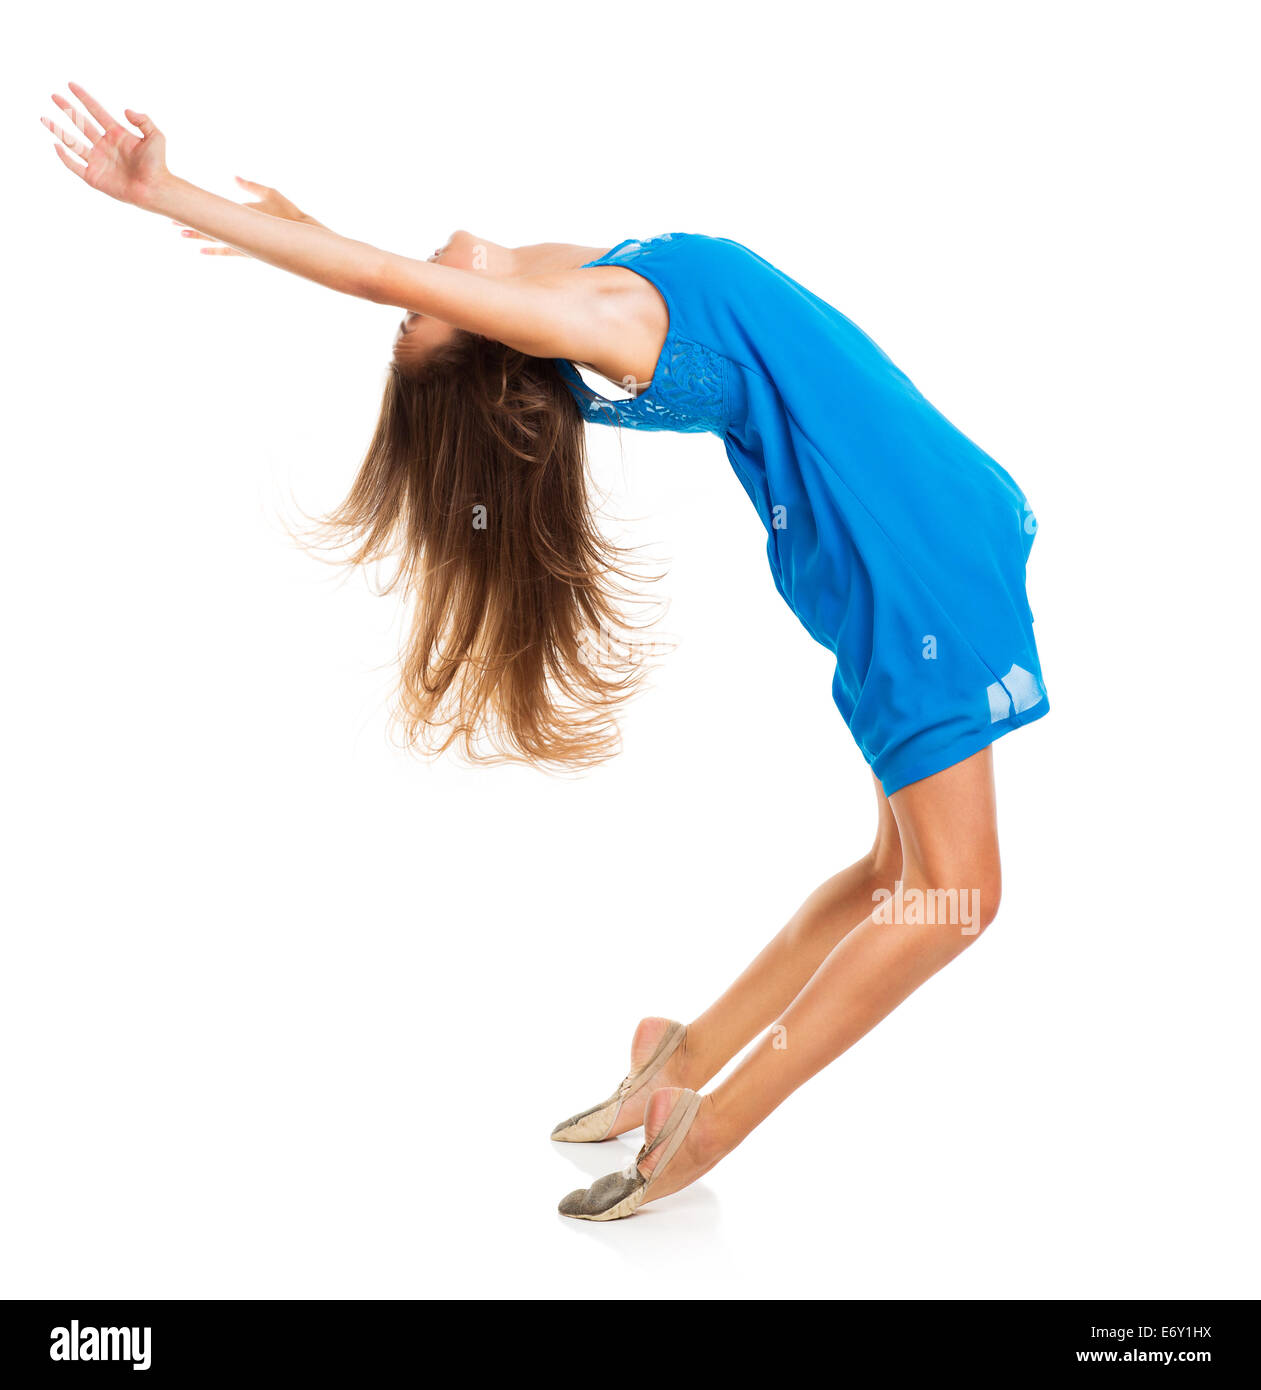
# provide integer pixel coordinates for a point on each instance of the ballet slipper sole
(628, 1206)
(591, 1126)
(620, 1195)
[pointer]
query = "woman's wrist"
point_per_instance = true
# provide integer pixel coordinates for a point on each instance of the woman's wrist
(161, 196)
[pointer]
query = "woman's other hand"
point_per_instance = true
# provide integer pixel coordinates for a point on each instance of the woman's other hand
(266, 200)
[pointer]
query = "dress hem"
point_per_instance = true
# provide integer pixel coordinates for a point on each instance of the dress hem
(893, 778)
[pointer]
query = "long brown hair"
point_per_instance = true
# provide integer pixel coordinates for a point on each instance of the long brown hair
(475, 490)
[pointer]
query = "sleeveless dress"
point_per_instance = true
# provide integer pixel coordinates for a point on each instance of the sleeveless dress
(899, 544)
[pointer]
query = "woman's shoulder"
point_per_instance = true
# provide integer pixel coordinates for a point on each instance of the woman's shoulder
(668, 244)
(685, 266)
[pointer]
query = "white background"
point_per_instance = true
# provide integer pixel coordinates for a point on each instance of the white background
(285, 1012)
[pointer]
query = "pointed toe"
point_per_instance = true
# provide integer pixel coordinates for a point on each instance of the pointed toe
(597, 1123)
(621, 1194)
(572, 1204)
(589, 1126)
(608, 1198)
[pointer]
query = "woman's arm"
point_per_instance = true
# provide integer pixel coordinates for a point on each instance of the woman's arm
(314, 252)
(557, 314)
(564, 313)
(268, 200)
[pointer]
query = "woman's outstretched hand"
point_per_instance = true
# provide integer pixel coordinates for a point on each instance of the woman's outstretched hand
(266, 200)
(106, 155)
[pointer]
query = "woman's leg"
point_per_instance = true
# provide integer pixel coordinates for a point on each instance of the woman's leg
(775, 977)
(948, 830)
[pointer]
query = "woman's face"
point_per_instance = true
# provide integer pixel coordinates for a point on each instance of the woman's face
(418, 334)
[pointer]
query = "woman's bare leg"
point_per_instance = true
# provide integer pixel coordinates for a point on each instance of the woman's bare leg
(775, 977)
(948, 829)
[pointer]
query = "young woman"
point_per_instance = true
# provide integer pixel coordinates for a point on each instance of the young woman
(899, 544)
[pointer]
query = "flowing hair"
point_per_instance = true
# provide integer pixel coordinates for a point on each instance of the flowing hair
(475, 490)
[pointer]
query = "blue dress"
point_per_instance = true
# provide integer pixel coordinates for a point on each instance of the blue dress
(898, 543)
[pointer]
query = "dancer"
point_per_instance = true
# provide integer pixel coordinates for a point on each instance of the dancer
(900, 545)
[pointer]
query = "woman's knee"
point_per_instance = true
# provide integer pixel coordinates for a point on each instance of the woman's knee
(960, 892)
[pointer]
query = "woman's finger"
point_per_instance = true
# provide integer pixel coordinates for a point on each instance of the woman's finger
(142, 123)
(71, 163)
(81, 122)
(107, 121)
(216, 248)
(68, 140)
(260, 188)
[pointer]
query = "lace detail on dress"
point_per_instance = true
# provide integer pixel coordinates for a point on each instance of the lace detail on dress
(631, 248)
(686, 394)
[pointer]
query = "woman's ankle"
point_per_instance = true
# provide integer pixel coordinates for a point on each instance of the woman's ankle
(694, 1066)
